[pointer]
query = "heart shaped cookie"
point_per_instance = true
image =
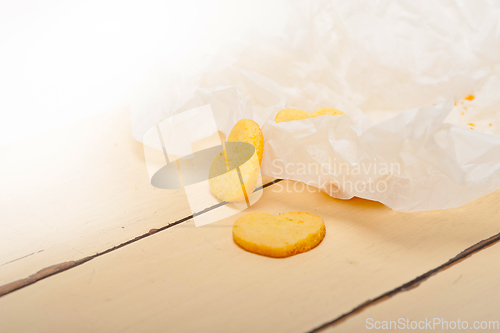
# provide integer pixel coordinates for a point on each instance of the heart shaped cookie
(280, 235)
(295, 114)
(234, 174)
(247, 130)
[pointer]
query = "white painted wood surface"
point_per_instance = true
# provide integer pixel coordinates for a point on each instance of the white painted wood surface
(468, 291)
(83, 189)
(187, 279)
(75, 191)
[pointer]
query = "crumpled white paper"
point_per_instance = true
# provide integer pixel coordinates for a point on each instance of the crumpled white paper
(400, 70)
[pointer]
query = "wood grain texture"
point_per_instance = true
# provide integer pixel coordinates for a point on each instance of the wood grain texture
(187, 279)
(75, 191)
(468, 291)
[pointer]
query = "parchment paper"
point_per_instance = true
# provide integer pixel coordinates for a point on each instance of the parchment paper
(419, 82)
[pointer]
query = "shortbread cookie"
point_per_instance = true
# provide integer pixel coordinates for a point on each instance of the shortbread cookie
(291, 114)
(234, 174)
(326, 112)
(246, 130)
(224, 180)
(295, 114)
(280, 235)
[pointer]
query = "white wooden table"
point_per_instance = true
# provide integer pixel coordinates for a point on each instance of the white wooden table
(88, 245)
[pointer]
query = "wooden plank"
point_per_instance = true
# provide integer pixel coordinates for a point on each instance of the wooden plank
(75, 191)
(468, 291)
(187, 279)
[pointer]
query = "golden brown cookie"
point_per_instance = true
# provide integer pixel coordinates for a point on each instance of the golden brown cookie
(326, 112)
(226, 185)
(280, 235)
(234, 174)
(295, 114)
(246, 130)
(291, 114)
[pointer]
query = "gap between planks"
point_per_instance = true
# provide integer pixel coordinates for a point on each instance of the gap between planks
(413, 283)
(58, 268)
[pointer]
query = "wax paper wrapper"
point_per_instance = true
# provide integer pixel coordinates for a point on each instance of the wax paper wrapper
(419, 83)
